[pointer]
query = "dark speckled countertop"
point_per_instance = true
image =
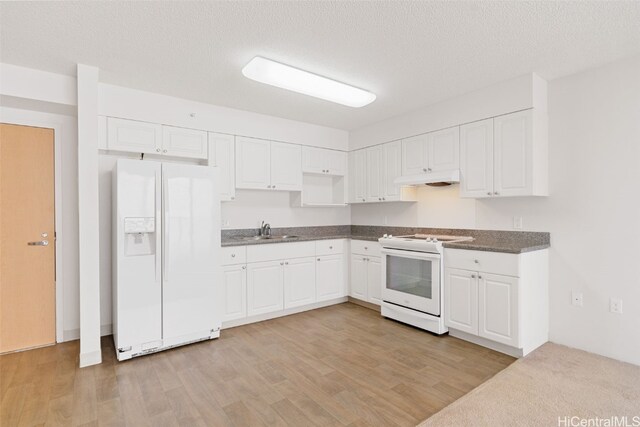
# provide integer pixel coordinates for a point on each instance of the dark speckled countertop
(483, 240)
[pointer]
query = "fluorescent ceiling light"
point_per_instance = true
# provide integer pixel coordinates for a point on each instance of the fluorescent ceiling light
(276, 74)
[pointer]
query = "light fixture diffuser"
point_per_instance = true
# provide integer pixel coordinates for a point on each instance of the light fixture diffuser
(286, 77)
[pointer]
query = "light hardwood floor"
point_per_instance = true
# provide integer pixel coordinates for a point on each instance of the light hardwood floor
(340, 365)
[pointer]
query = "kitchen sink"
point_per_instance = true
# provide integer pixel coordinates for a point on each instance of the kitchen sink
(286, 237)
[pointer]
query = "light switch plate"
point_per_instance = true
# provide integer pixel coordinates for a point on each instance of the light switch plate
(517, 223)
(615, 305)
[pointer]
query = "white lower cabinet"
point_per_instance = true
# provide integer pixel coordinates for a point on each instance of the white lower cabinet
(234, 292)
(269, 280)
(359, 285)
(264, 287)
(500, 298)
(366, 273)
(461, 300)
(374, 280)
(330, 281)
(498, 308)
(299, 282)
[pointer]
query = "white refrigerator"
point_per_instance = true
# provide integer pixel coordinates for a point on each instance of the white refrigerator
(166, 243)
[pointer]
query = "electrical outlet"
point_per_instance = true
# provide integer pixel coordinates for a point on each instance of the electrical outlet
(225, 223)
(517, 223)
(576, 298)
(615, 305)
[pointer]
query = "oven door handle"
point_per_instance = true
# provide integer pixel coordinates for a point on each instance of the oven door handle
(410, 254)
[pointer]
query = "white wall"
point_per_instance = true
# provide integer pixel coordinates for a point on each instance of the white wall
(116, 101)
(593, 212)
(528, 91)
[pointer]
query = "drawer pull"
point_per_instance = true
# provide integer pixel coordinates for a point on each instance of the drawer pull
(476, 261)
(330, 247)
(473, 276)
(233, 255)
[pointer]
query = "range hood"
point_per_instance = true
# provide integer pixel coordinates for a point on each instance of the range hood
(430, 178)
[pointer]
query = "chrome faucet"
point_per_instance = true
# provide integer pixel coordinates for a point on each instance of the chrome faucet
(265, 229)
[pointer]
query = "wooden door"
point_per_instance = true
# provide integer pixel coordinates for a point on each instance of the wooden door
(27, 272)
(461, 300)
(476, 159)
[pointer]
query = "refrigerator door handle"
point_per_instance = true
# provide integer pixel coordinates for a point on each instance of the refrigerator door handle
(165, 228)
(159, 225)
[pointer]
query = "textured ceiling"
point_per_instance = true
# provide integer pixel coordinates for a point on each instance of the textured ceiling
(410, 54)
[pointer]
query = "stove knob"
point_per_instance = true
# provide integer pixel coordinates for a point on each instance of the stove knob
(435, 240)
(385, 236)
(390, 236)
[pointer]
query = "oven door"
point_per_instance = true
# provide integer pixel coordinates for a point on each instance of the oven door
(411, 279)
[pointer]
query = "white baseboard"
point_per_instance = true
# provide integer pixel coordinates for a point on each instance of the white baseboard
(280, 313)
(74, 334)
(502, 348)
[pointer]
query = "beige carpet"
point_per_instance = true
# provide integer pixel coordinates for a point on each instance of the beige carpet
(553, 381)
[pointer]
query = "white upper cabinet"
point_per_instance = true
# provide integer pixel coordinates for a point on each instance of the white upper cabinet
(505, 156)
(431, 152)
(358, 176)
(392, 169)
(267, 165)
(323, 161)
(476, 159)
(253, 163)
(443, 150)
(222, 155)
(181, 142)
(150, 138)
(286, 167)
(415, 155)
(513, 154)
(375, 174)
(134, 136)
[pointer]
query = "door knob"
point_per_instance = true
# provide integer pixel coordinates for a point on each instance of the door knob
(39, 243)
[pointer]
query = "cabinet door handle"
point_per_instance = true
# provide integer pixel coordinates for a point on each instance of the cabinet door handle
(273, 186)
(479, 276)
(424, 169)
(488, 193)
(496, 193)
(318, 259)
(476, 261)
(282, 263)
(363, 200)
(164, 151)
(233, 255)
(244, 267)
(268, 186)
(286, 263)
(330, 247)
(473, 276)
(158, 150)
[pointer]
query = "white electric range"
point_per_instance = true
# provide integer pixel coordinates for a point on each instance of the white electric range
(412, 279)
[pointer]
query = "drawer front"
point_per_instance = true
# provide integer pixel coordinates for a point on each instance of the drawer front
(234, 255)
(329, 247)
(488, 262)
(278, 251)
(364, 247)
